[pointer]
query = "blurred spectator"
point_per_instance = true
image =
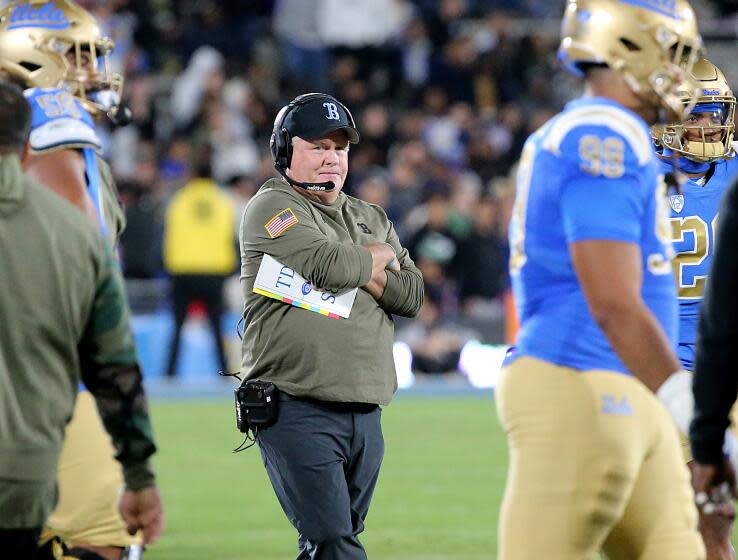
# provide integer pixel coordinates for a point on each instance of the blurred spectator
(141, 241)
(479, 263)
(304, 55)
(201, 81)
(240, 189)
(199, 254)
(433, 239)
(434, 338)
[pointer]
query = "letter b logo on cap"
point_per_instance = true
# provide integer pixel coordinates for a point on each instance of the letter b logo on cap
(332, 111)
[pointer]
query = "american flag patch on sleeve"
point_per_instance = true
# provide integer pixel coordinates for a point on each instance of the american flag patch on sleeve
(281, 222)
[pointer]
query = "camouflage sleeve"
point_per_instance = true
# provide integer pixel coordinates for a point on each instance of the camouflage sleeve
(111, 372)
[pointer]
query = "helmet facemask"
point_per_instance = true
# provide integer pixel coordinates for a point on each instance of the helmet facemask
(88, 74)
(706, 133)
(65, 50)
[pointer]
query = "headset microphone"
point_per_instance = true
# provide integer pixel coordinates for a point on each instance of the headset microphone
(326, 186)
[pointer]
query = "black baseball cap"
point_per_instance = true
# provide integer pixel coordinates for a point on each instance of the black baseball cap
(317, 116)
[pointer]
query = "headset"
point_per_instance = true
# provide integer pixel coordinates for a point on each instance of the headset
(280, 144)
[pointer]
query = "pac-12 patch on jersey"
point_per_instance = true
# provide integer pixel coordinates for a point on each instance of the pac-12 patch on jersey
(677, 202)
(280, 223)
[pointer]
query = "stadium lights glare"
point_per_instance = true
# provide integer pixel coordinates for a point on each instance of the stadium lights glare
(481, 363)
(403, 365)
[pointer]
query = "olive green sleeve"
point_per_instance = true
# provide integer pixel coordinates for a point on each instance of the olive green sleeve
(403, 294)
(328, 265)
(115, 217)
(111, 372)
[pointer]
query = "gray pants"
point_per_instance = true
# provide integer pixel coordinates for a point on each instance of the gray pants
(323, 461)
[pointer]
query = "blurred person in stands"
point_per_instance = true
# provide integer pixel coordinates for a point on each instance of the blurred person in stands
(199, 255)
(479, 264)
(70, 324)
(141, 241)
(591, 393)
(57, 51)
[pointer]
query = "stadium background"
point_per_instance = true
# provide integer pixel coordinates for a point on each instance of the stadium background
(444, 92)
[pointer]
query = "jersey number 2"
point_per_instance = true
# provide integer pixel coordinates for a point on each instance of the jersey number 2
(702, 233)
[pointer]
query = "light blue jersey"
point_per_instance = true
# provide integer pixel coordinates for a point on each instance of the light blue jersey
(694, 217)
(590, 173)
(59, 121)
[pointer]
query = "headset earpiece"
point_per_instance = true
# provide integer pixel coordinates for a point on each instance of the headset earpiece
(286, 148)
(279, 143)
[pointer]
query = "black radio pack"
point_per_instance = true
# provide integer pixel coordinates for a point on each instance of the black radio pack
(257, 405)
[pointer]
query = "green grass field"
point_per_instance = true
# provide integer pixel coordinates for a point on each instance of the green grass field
(437, 497)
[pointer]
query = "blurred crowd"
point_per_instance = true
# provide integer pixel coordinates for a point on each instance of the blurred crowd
(444, 93)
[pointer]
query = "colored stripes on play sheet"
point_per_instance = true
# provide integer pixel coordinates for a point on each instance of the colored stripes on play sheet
(296, 303)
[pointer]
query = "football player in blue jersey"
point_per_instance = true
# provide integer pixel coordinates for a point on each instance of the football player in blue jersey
(594, 456)
(701, 147)
(57, 52)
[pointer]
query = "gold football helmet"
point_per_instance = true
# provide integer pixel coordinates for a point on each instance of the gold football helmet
(652, 43)
(715, 103)
(59, 44)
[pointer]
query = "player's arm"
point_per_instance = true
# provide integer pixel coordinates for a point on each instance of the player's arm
(716, 374)
(63, 171)
(604, 209)
(715, 386)
(610, 273)
(112, 374)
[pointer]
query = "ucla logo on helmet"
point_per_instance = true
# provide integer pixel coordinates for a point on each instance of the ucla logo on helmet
(710, 92)
(34, 15)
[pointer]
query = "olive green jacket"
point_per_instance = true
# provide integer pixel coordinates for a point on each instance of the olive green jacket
(64, 311)
(306, 353)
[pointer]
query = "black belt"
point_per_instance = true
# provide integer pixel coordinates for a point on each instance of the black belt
(336, 406)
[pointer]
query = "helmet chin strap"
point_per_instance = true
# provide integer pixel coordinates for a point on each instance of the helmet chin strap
(690, 166)
(326, 186)
(687, 165)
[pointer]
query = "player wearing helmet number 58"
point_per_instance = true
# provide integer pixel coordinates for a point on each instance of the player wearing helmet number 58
(58, 54)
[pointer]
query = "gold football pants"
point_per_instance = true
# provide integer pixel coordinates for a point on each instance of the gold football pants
(595, 464)
(90, 483)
